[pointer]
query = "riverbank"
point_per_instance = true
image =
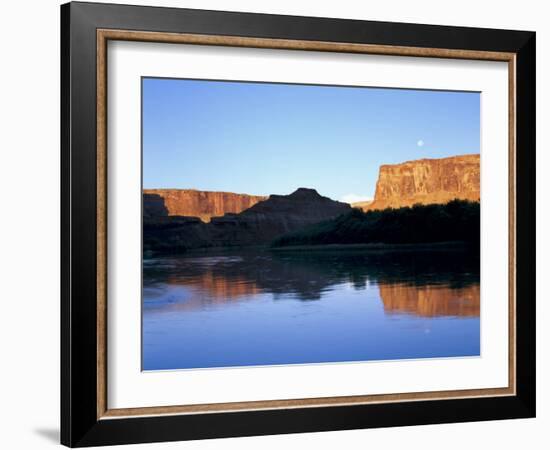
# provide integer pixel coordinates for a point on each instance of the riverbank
(373, 247)
(443, 246)
(455, 221)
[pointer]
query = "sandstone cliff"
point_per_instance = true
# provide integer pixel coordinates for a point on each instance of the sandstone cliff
(259, 224)
(277, 215)
(194, 203)
(427, 181)
(362, 205)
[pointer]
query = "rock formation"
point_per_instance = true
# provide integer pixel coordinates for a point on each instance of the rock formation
(427, 181)
(194, 203)
(257, 225)
(277, 215)
(362, 205)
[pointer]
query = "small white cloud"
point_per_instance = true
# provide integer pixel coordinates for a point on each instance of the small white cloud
(354, 198)
(420, 143)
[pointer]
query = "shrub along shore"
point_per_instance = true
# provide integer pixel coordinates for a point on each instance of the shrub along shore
(457, 220)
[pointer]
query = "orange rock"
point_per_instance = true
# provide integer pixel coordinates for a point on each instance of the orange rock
(427, 181)
(194, 203)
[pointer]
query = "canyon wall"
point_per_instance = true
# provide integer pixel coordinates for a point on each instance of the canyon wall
(362, 205)
(276, 216)
(193, 203)
(427, 181)
(257, 225)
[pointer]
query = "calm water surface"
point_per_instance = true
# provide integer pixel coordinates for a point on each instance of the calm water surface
(261, 307)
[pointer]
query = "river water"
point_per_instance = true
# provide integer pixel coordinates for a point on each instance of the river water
(259, 307)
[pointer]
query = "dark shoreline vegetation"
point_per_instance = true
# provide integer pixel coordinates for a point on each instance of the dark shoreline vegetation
(456, 223)
(375, 247)
(457, 220)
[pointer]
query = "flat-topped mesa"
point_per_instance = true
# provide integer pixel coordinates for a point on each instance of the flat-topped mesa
(195, 203)
(277, 215)
(427, 181)
(303, 204)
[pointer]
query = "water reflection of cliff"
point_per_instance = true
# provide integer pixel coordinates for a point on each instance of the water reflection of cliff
(430, 301)
(222, 288)
(421, 283)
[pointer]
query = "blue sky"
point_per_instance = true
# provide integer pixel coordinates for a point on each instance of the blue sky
(265, 138)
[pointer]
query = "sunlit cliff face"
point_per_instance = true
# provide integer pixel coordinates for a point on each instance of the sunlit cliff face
(193, 203)
(427, 181)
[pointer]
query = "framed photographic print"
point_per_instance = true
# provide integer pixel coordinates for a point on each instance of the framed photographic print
(277, 224)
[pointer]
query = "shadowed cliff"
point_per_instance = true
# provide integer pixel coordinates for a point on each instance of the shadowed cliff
(257, 225)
